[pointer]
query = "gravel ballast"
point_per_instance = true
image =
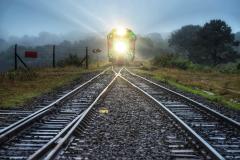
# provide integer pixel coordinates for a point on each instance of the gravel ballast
(225, 110)
(125, 125)
(9, 116)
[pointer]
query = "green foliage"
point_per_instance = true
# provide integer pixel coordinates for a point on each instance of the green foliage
(185, 39)
(238, 66)
(211, 44)
(229, 67)
(15, 91)
(216, 36)
(172, 61)
(163, 60)
(210, 85)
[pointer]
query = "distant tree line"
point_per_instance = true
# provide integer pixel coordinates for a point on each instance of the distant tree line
(211, 44)
(64, 50)
(150, 45)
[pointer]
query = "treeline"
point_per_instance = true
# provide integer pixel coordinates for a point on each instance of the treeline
(63, 51)
(212, 44)
(147, 47)
(150, 45)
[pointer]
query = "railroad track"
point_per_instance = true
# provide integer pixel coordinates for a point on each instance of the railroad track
(181, 143)
(193, 131)
(130, 127)
(214, 130)
(10, 116)
(34, 132)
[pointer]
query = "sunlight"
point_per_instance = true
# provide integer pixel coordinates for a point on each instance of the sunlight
(88, 12)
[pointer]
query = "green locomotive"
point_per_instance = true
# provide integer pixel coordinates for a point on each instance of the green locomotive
(121, 45)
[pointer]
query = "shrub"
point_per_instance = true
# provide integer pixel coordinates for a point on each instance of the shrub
(229, 67)
(172, 60)
(181, 63)
(177, 61)
(238, 66)
(71, 60)
(163, 60)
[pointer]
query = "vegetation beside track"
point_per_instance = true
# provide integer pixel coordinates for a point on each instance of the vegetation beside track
(219, 87)
(19, 87)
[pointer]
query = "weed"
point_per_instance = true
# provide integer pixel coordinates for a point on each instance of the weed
(224, 86)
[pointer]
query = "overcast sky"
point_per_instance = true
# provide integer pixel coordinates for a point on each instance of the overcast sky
(29, 17)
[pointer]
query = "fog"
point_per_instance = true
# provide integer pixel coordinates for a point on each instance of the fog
(74, 24)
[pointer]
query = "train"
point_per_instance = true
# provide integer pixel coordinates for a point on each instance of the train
(121, 45)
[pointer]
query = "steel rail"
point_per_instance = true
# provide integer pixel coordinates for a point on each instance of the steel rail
(219, 115)
(59, 140)
(10, 131)
(51, 143)
(191, 132)
(114, 70)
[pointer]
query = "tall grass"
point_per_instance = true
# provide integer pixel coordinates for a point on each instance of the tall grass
(170, 60)
(71, 60)
(19, 75)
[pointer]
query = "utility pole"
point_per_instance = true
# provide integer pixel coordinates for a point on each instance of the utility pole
(53, 62)
(15, 57)
(86, 57)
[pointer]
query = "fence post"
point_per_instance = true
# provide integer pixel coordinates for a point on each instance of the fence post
(97, 59)
(15, 57)
(53, 62)
(86, 57)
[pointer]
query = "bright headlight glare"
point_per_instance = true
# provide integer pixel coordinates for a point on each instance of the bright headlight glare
(120, 47)
(121, 31)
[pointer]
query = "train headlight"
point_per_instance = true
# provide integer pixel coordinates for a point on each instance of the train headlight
(121, 31)
(120, 47)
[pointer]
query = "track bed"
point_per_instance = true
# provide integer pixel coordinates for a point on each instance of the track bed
(125, 125)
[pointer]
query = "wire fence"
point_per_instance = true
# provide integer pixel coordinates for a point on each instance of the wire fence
(44, 56)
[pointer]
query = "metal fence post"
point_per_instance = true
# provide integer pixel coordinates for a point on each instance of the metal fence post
(86, 57)
(97, 59)
(15, 57)
(53, 62)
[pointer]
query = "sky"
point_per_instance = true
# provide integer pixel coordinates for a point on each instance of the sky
(30, 17)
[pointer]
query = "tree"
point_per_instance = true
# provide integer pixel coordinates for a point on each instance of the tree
(211, 44)
(144, 47)
(237, 43)
(185, 39)
(217, 39)
(237, 36)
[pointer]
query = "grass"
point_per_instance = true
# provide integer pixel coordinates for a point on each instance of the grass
(17, 88)
(215, 86)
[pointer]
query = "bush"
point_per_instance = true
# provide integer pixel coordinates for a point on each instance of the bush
(238, 66)
(229, 67)
(172, 60)
(71, 60)
(177, 61)
(181, 63)
(163, 60)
